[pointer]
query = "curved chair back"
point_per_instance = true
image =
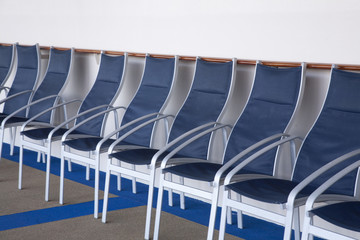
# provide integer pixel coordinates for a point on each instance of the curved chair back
(27, 75)
(53, 83)
(7, 54)
(204, 103)
(335, 132)
(151, 95)
(103, 92)
(270, 107)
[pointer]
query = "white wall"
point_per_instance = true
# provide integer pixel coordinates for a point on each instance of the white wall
(322, 31)
(296, 30)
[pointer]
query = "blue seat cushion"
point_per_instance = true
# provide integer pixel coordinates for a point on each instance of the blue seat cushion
(268, 190)
(202, 171)
(141, 156)
(12, 119)
(344, 214)
(87, 144)
(42, 133)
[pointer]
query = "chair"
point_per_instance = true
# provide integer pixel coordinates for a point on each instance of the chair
(271, 105)
(148, 102)
(7, 56)
(109, 80)
(344, 213)
(46, 95)
(334, 133)
(210, 87)
(25, 80)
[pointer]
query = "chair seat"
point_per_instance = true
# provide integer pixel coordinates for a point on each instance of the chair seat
(42, 133)
(87, 144)
(202, 171)
(13, 119)
(268, 190)
(344, 214)
(141, 156)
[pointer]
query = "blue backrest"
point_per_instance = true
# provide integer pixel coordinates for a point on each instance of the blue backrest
(269, 109)
(103, 92)
(25, 78)
(204, 103)
(151, 95)
(6, 59)
(335, 132)
(54, 80)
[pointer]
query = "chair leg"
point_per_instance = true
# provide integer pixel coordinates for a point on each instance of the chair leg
(133, 180)
(20, 167)
(62, 166)
(96, 190)
(170, 191)
(297, 223)
(88, 170)
(158, 207)
(150, 202)
(288, 223)
(47, 178)
(2, 140)
(306, 227)
(67, 148)
(12, 137)
(182, 195)
(106, 192)
(239, 213)
(118, 178)
(224, 212)
(214, 202)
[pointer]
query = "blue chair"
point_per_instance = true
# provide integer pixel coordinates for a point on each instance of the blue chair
(25, 80)
(270, 107)
(7, 56)
(334, 133)
(148, 103)
(345, 213)
(46, 95)
(210, 87)
(100, 98)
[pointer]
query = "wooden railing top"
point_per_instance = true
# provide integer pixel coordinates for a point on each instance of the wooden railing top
(192, 58)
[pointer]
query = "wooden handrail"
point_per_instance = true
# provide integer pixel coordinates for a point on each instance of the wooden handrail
(192, 58)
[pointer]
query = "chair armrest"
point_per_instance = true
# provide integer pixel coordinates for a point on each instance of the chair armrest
(89, 119)
(113, 145)
(254, 156)
(74, 118)
(253, 147)
(15, 95)
(25, 107)
(45, 111)
(187, 142)
(317, 173)
(312, 198)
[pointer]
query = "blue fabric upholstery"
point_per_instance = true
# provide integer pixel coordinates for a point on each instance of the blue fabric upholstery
(268, 190)
(54, 80)
(204, 104)
(25, 78)
(334, 134)
(108, 81)
(268, 111)
(149, 98)
(344, 214)
(6, 54)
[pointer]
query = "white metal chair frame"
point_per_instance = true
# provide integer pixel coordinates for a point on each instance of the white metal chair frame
(46, 145)
(309, 229)
(94, 156)
(150, 177)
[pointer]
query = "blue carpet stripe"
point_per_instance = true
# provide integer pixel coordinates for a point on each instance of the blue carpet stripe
(197, 211)
(59, 213)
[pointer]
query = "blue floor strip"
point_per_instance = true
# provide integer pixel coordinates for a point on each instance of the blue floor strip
(196, 210)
